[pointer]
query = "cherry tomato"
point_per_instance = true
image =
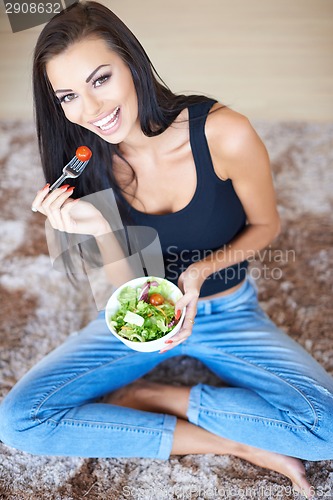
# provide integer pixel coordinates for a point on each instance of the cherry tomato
(83, 153)
(156, 299)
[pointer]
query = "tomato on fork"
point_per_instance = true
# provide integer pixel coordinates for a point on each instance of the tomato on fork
(83, 153)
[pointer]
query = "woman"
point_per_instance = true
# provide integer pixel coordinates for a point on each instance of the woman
(197, 172)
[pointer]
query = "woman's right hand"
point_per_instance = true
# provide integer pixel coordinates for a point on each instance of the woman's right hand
(69, 215)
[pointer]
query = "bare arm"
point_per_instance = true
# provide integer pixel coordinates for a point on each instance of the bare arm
(238, 154)
(117, 265)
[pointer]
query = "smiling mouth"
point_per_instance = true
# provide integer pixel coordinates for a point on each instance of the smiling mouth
(109, 121)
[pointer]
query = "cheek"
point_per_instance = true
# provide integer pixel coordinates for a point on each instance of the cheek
(132, 99)
(128, 88)
(71, 112)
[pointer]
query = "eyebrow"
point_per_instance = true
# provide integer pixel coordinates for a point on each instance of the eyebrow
(95, 71)
(87, 80)
(63, 90)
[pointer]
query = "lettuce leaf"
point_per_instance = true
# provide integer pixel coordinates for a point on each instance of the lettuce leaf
(127, 297)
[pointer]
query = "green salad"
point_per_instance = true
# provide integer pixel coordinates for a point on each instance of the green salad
(146, 313)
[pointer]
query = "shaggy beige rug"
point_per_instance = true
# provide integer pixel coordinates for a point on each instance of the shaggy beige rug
(295, 283)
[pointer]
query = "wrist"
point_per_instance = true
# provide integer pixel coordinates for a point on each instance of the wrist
(102, 228)
(196, 274)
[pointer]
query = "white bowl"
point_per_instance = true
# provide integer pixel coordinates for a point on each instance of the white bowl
(113, 305)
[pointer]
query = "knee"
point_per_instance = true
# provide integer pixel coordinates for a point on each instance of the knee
(322, 432)
(15, 423)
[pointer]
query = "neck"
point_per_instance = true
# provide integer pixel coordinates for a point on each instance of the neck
(137, 143)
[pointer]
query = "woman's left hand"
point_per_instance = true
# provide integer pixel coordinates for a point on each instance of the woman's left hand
(190, 283)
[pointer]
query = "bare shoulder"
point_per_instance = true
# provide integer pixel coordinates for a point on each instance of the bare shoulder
(231, 139)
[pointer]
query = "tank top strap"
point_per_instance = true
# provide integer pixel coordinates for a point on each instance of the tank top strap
(200, 110)
(199, 145)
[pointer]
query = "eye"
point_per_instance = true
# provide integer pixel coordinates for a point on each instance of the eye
(67, 98)
(100, 80)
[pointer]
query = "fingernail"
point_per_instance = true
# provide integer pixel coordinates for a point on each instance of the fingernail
(34, 209)
(164, 350)
(46, 186)
(65, 186)
(71, 188)
(177, 315)
(168, 341)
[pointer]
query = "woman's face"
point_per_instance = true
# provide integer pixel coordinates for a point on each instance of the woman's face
(96, 89)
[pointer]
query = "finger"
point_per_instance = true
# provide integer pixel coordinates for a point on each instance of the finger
(182, 335)
(191, 311)
(35, 206)
(53, 206)
(187, 326)
(174, 342)
(57, 197)
(189, 301)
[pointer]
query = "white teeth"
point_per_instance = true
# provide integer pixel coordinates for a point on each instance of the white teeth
(112, 124)
(107, 119)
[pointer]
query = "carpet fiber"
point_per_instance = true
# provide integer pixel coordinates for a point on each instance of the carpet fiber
(294, 276)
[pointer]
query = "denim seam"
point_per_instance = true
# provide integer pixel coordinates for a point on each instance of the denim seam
(36, 408)
(167, 436)
(194, 404)
(280, 378)
(253, 418)
(104, 425)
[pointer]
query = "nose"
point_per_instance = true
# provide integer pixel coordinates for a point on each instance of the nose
(92, 106)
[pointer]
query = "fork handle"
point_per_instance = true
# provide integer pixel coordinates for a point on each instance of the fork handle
(58, 182)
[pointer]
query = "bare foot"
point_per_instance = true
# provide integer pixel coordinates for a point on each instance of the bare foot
(288, 466)
(190, 439)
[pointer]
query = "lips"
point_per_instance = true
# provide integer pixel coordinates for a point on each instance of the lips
(108, 121)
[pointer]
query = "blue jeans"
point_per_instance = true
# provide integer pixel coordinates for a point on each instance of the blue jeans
(278, 398)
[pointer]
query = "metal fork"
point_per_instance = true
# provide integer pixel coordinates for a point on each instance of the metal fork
(73, 169)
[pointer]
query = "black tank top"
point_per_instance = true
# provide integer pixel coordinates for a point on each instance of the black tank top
(209, 222)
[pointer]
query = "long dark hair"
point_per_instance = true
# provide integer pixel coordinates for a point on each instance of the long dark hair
(58, 138)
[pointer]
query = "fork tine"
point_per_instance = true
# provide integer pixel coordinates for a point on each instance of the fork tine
(74, 163)
(77, 166)
(83, 166)
(79, 169)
